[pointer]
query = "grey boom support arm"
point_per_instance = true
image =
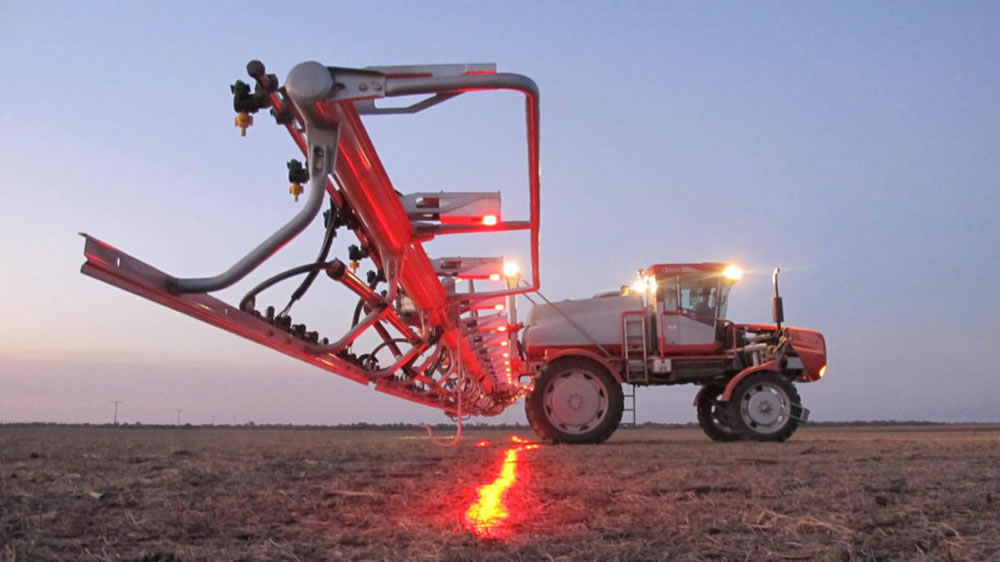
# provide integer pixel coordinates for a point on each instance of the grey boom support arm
(322, 158)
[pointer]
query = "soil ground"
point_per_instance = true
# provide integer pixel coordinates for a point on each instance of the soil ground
(157, 494)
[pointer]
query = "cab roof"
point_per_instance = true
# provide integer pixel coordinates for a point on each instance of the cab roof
(666, 268)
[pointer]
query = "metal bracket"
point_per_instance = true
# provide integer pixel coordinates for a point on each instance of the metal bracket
(800, 413)
(368, 107)
(485, 323)
(453, 208)
(490, 269)
(393, 265)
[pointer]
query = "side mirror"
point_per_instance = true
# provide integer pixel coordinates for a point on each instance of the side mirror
(777, 307)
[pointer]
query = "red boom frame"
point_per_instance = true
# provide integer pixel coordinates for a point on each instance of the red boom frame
(449, 364)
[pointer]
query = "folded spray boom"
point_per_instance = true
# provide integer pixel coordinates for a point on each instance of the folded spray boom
(447, 347)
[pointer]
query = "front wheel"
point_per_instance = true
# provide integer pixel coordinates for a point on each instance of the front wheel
(712, 416)
(575, 401)
(764, 407)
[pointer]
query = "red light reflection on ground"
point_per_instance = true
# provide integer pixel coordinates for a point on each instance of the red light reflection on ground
(486, 516)
(483, 444)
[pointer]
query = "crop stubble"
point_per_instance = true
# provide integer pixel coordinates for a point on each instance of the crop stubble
(907, 493)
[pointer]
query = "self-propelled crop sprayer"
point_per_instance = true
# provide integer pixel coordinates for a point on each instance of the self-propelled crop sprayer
(446, 329)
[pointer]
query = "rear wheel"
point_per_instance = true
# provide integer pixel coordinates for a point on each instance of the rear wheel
(575, 401)
(712, 415)
(762, 407)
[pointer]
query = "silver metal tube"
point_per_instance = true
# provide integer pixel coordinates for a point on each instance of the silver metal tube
(501, 81)
(350, 336)
(322, 158)
(432, 85)
(400, 362)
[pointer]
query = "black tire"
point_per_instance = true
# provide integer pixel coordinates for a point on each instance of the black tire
(594, 398)
(712, 416)
(763, 407)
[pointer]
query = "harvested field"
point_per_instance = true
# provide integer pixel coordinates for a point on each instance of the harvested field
(903, 493)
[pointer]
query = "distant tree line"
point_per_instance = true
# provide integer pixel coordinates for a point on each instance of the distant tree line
(399, 426)
(859, 423)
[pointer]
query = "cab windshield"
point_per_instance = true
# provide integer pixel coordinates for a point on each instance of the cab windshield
(699, 294)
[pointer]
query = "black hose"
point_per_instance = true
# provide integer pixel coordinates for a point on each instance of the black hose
(245, 303)
(387, 342)
(324, 251)
(361, 302)
(357, 312)
(437, 362)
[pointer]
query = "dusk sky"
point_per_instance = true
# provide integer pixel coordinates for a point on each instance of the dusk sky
(854, 144)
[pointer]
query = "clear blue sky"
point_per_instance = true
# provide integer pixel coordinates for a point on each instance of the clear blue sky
(856, 144)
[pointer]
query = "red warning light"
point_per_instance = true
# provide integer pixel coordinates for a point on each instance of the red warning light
(483, 443)
(489, 220)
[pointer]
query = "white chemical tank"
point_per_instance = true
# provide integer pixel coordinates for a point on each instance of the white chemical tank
(596, 320)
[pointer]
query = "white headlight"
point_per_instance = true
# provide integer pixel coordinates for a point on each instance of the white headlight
(732, 273)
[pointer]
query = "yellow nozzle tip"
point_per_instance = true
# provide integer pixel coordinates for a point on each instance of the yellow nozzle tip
(243, 120)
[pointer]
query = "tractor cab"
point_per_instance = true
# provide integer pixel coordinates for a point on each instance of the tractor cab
(689, 306)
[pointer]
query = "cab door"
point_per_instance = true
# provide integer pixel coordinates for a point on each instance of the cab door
(688, 313)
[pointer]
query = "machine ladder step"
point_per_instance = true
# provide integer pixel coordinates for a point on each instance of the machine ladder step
(629, 404)
(635, 347)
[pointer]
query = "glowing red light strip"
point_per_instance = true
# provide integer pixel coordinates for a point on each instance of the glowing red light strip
(488, 513)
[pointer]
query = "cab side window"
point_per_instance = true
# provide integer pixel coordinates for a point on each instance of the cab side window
(698, 296)
(666, 293)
